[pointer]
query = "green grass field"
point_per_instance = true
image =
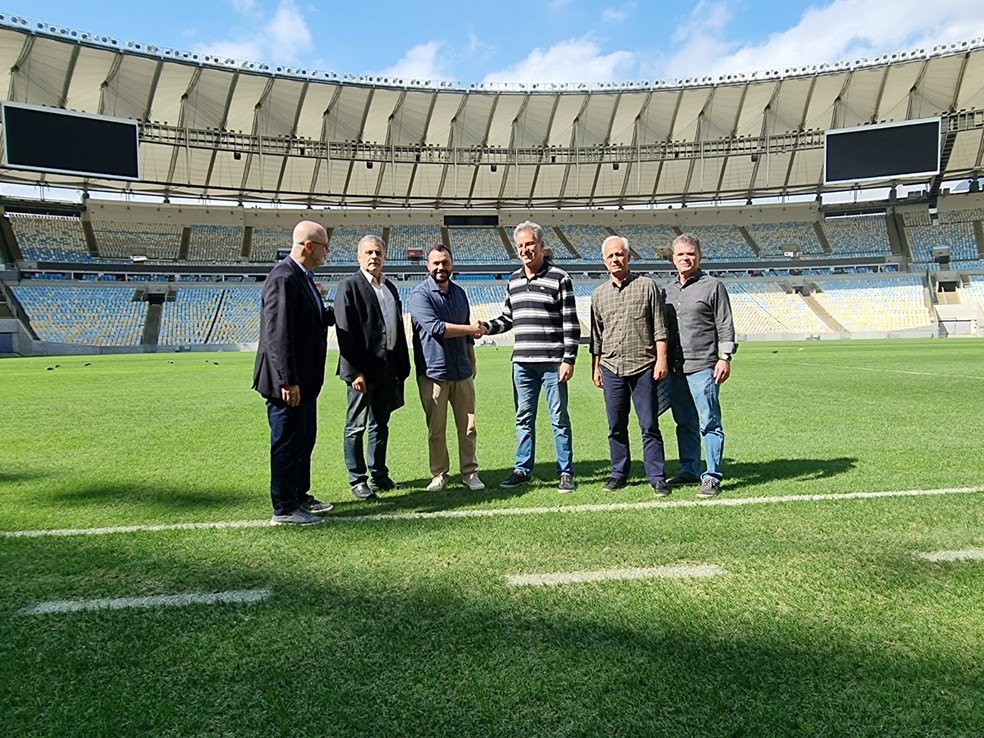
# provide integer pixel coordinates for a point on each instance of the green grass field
(389, 623)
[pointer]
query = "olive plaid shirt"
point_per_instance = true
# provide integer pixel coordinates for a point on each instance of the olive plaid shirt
(626, 322)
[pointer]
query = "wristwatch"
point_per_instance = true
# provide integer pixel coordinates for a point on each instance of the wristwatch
(727, 358)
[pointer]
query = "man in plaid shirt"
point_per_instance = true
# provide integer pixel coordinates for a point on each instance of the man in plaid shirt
(628, 350)
(539, 309)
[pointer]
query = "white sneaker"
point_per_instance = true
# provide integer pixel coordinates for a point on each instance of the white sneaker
(472, 482)
(437, 484)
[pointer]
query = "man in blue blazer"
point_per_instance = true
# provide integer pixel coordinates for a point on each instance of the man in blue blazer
(290, 371)
(373, 362)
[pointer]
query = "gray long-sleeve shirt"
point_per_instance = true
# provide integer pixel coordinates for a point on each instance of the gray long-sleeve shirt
(698, 315)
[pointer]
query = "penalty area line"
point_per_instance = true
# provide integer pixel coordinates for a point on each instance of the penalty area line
(674, 571)
(881, 370)
(507, 511)
(970, 554)
(242, 596)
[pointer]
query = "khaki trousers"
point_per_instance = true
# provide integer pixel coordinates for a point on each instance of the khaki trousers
(434, 398)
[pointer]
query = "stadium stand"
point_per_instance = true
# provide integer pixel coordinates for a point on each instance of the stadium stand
(157, 241)
(646, 240)
(215, 243)
(476, 245)
(775, 239)
(958, 237)
(872, 304)
(857, 235)
(764, 308)
(343, 240)
(238, 317)
(916, 218)
(405, 237)
(973, 291)
(189, 318)
(586, 240)
(95, 316)
(963, 215)
(50, 237)
(265, 244)
(486, 300)
(722, 243)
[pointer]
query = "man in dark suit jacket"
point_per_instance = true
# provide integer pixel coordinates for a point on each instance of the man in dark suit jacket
(373, 362)
(290, 371)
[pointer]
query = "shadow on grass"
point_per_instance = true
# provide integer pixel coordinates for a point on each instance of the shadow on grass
(442, 655)
(415, 498)
(22, 476)
(153, 497)
(588, 474)
(746, 474)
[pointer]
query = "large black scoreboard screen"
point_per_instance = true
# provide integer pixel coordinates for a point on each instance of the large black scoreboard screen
(64, 142)
(882, 152)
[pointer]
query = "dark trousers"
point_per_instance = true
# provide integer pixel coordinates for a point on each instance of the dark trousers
(370, 410)
(641, 390)
(293, 431)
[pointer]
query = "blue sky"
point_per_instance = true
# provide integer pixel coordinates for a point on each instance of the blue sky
(532, 41)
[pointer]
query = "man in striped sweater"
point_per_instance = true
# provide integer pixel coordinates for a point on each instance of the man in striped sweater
(539, 307)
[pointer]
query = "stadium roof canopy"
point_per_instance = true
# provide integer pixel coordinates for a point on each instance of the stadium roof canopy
(223, 128)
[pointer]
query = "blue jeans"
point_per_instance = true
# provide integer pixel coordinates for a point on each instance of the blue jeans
(641, 390)
(697, 412)
(528, 378)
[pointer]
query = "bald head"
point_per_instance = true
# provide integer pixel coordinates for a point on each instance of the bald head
(309, 244)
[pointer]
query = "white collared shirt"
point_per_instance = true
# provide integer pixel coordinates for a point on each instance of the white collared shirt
(387, 306)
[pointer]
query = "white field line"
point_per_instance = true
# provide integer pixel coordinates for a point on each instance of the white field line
(124, 603)
(969, 554)
(505, 512)
(879, 370)
(134, 529)
(676, 571)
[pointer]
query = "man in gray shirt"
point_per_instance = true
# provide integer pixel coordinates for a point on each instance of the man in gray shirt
(702, 341)
(628, 350)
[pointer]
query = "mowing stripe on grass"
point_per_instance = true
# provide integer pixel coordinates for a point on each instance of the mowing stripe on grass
(969, 554)
(124, 603)
(674, 571)
(504, 512)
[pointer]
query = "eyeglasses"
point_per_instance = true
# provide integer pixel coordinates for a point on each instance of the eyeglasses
(318, 243)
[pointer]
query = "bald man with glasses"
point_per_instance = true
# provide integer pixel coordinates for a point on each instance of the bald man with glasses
(290, 371)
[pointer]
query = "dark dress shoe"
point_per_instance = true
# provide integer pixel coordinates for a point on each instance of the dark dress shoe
(362, 491)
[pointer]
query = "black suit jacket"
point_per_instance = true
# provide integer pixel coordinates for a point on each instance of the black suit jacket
(361, 346)
(293, 334)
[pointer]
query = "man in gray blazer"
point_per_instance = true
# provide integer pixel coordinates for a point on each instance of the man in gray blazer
(374, 362)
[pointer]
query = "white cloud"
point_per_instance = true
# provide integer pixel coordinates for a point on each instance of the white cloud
(476, 46)
(288, 29)
(574, 60)
(283, 35)
(421, 62)
(240, 50)
(839, 30)
(617, 15)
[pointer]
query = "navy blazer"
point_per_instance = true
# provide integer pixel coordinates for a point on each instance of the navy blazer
(361, 347)
(293, 334)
